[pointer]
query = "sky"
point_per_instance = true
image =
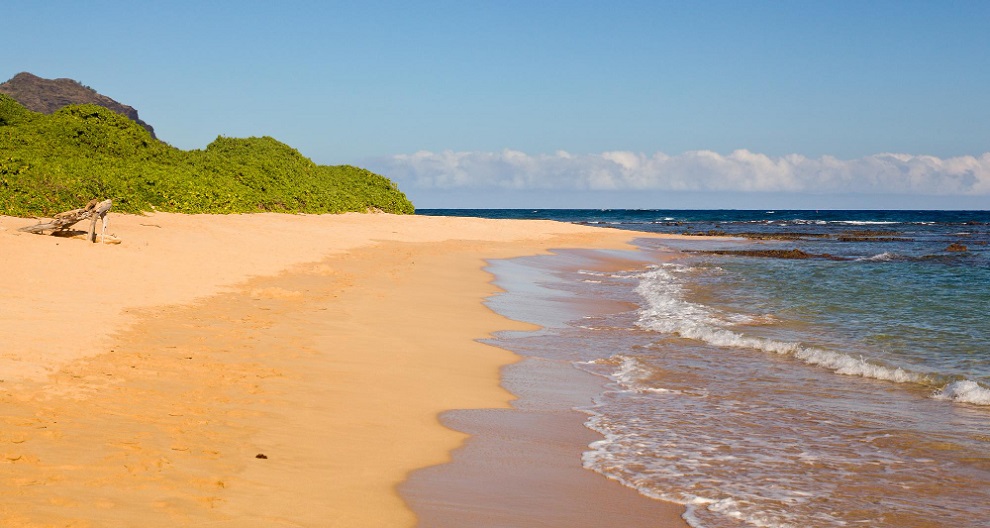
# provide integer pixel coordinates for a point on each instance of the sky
(654, 104)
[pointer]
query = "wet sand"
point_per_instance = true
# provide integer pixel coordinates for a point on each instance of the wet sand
(522, 466)
(250, 370)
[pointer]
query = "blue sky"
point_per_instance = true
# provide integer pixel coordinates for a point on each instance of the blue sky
(540, 103)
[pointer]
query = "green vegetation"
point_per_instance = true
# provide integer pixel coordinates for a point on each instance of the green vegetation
(53, 163)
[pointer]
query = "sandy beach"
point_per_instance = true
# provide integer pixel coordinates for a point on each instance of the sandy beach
(250, 370)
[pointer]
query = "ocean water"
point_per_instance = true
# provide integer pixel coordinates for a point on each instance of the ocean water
(849, 387)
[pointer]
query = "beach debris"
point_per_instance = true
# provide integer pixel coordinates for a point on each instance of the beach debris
(261, 456)
(61, 223)
(956, 247)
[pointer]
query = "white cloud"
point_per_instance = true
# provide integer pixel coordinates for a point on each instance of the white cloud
(700, 170)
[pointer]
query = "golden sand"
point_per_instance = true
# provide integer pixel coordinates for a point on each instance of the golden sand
(245, 370)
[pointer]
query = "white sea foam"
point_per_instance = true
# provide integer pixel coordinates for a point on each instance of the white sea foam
(698, 509)
(630, 373)
(667, 312)
(609, 274)
(886, 256)
(733, 460)
(965, 391)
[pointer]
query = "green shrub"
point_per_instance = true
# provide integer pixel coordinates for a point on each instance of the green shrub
(52, 163)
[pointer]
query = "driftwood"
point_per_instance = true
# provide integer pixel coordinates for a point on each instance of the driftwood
(99, 212)
(62, 222)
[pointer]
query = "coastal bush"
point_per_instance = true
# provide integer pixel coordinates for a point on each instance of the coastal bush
(52, 163)
(11, 112)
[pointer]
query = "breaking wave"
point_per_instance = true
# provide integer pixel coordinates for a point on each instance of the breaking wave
(965, 391)
(667, 312)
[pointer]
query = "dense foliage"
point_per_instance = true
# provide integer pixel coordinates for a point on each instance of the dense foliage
(53, 163)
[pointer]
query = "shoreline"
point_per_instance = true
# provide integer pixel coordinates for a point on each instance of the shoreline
(142, 381)
(522, 466)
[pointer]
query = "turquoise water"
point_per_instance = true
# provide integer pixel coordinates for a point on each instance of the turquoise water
(851, 388)
(929, 319)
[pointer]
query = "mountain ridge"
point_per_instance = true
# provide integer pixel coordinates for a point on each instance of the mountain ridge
(49, 95)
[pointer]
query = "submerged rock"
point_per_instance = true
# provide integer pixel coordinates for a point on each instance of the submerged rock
(771, 253)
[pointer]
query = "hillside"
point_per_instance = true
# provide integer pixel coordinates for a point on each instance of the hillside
(52, 163)
(48, 95)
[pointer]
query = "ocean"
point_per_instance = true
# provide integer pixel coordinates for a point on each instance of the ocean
(786, 368)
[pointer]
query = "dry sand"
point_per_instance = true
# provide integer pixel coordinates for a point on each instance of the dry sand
(246, 370)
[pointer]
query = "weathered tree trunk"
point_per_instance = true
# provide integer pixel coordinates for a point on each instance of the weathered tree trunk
(64, 221)
(99, 213)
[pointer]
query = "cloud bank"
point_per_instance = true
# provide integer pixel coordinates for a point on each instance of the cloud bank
(702, 170)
